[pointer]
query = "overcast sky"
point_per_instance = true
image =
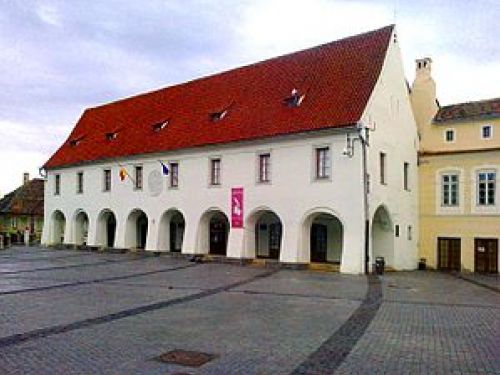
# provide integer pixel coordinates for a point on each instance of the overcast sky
(59, 57)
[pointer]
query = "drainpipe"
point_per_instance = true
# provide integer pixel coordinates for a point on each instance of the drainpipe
(364, 144)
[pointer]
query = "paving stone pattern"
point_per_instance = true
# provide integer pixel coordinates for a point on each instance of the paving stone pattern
(122, 311)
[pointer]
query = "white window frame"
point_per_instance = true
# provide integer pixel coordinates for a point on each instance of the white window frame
(136, 179)
(325, 174)
(79, 184)
(454, 135)
(487, 194)
(211, 181)
(267, 179)
(476, 208)
(57, 184)
(449, 210)
(104, 180)
(171, 179)
(482, 132)
(450, 184)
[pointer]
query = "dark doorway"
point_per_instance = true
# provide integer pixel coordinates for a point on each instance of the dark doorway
(319, 242)
(142, 231)
(176, 234)
(218, 235)
(110, 230)
(449, 254)
(486, 255)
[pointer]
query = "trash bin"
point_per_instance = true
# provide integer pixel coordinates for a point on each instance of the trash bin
(379, 265)
(422, 264)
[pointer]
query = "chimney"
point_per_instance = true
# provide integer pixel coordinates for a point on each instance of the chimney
(423, 96)
(26, 178)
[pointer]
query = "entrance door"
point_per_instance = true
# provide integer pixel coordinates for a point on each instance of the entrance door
(217, 236)
(174, 240)
(319, 241)
(274, 240)
(449, 254)
(142, 231)
(486, 255)
(110, 228)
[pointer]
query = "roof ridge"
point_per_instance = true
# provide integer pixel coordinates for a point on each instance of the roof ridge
(472, 102)
(241, 67)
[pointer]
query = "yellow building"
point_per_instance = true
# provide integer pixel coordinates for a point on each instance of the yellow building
(459, 172)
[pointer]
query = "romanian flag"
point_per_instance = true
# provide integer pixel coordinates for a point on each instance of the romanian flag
(123, 173)
(164, 168)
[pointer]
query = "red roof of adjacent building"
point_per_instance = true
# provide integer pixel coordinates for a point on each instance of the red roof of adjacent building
(336, 78)
(482, 109)
(25, 200)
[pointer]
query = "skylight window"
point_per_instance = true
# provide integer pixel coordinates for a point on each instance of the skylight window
(217, 116)
(160, 126)
(295, 99)
(111, 136)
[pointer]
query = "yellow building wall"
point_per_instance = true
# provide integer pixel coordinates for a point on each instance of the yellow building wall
(467, 135)
(465, 222)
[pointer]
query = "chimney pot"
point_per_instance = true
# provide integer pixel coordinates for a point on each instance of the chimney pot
(26, 178)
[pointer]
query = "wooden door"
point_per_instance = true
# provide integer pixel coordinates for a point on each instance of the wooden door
(486, 255)
(218, 230)
(449, 254)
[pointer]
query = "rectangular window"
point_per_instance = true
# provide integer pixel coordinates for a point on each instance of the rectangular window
(13, 222)
(264, 167)
(174, 175)
(322, 162)
(383, 168)
(410, 234)
(79, 182)
(57, 184)
(449, 135)
(397, 230)
(449, 189)
(107, 180)
(486, 187)
(138, 177)
(486, 132)
(215, 169)
(406, 167)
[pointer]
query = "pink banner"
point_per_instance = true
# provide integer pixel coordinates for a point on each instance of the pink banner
(237, 207)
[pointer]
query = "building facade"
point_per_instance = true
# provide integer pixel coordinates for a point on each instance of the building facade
(264, 161)
(22, 210)
(459, 170)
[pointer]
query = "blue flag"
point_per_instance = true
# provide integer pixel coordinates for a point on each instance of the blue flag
(164, 168)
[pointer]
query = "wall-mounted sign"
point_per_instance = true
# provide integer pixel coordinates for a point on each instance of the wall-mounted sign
(237, 207)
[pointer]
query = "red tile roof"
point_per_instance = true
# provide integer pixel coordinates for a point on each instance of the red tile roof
(337, 79)
(483, 109)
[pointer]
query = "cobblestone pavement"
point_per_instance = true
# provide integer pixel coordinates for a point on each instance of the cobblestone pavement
(75, 312)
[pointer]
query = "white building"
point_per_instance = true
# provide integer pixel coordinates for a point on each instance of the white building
(285, 131)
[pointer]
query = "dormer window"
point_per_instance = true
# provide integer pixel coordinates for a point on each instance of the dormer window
(295, 99)
(111, 136)
(160, 126)
(217, 116)
(75, 142)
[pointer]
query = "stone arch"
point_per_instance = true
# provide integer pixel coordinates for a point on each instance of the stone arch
(213, 232)
(106, 228)
(136, 229)
(382, 235)
(171, 231)
(263, 234)
(80, 227)
(322, 236)
(57, 227)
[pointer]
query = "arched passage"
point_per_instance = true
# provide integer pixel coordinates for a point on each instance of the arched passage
(171, 231)
(81, 228)
(264, 234)
(58, 226)
(136, 230)
(213, 233)
(382, 236)
(106, 228)
(323, 237)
